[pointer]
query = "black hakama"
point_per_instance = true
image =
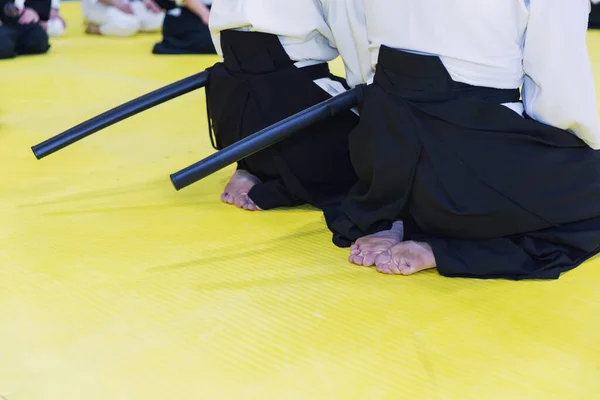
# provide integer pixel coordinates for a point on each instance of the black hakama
(494, 194)
(595, 17)
(183, 33)
(258, 85)
(18, 39)
(23, 39)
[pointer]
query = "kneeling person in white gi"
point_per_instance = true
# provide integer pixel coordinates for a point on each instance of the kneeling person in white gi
(275, 56)
(121, 17)
(487, 185)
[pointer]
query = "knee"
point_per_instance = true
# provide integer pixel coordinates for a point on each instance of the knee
(128, 26)
(7, 45)
(56, 27)
(152, 22)
(121, 24)
(36, 42)
(118, 23)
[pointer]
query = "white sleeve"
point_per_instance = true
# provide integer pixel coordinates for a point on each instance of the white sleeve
(56, 4)
(347, 22)
(559, 86)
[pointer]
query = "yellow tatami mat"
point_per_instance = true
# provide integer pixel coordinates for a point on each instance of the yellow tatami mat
(113, 286)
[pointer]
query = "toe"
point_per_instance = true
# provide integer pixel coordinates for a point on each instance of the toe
(356, 259)
(383, 268)
(410, 268)
(385, 264)
(369, 259)
(252, 205)
(394, 269)
(383, 258)
(226, 197)
(389, 269)
(241, 200)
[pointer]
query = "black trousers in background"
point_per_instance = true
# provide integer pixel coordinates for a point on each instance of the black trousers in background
(22, 39)
(595, 17)
(184, 33)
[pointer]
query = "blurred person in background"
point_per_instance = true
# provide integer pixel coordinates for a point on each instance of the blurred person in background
(595, 15)
(121, 17)
(56, 25)
(21, 31)
(185, 30)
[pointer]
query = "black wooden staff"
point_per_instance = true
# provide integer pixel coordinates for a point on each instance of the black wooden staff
(120, 113)
(267, 137)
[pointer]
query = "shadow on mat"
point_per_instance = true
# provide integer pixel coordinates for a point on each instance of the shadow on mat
(129, 208)
(95, 194)
(231, 253)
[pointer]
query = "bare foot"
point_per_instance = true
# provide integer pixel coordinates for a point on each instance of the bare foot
(366, 249)
(406, 258)
(236, 191)
(92, 29)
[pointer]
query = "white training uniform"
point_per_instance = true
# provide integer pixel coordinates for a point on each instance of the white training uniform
(114, 22)
(310, 31)
(56, 26)
(506, 44)
(176, 12)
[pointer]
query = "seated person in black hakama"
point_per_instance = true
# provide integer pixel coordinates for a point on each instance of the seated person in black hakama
(594, 22)
(185, 28)
(455, 170)
(20, 30)
(275, 64)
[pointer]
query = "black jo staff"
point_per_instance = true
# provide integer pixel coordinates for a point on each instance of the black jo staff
(267, 137)
(120, 113)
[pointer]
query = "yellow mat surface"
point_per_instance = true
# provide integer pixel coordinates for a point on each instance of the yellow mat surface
(113, 286)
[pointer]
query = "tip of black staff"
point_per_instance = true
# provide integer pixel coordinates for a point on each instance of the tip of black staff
(36, 153)
(175, 184)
